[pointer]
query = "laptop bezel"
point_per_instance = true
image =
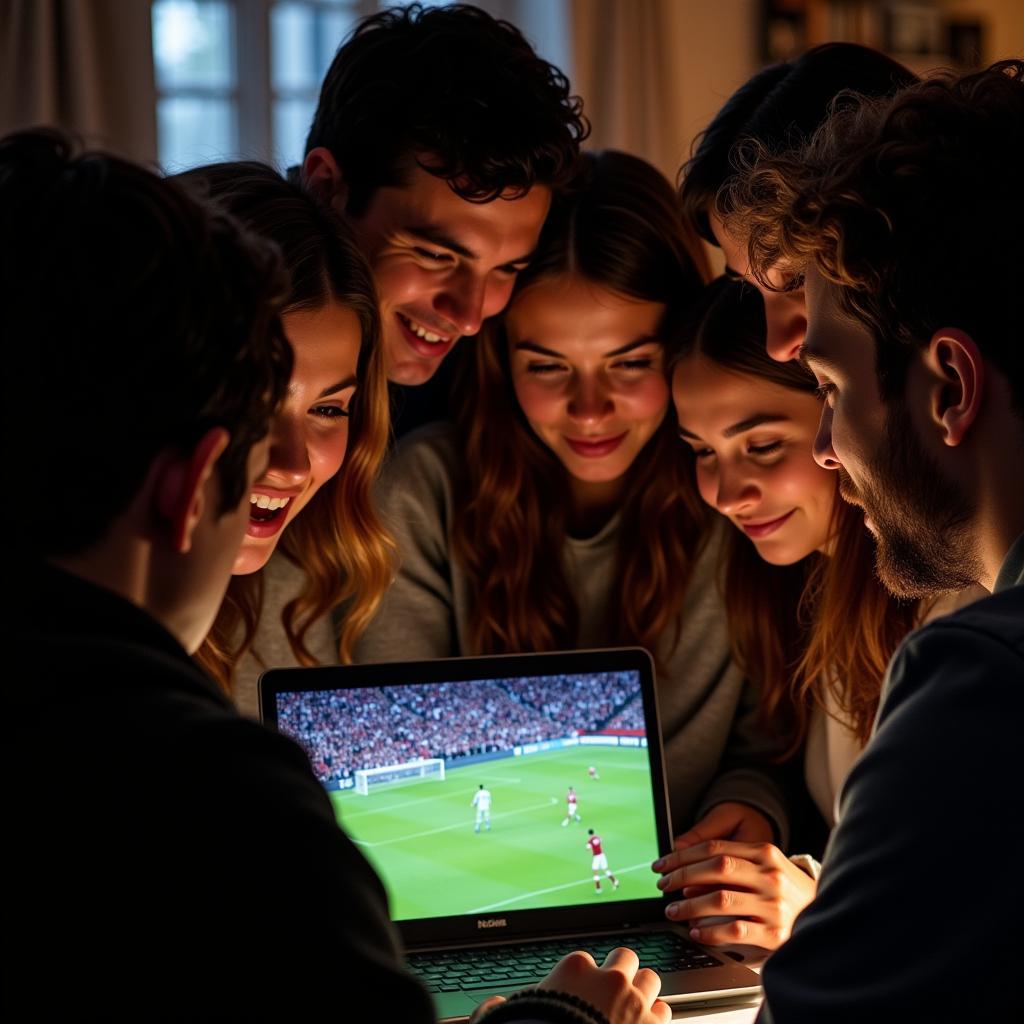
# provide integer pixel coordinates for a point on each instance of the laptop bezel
(510, 924)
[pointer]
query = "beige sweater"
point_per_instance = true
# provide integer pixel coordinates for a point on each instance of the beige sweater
(714, 749)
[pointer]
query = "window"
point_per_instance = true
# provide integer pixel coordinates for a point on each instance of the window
(239, 79)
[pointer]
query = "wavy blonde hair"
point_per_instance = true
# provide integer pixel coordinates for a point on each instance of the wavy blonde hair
(338, 540)
(619, 229)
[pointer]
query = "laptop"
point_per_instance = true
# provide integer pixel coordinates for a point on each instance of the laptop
(512, 806)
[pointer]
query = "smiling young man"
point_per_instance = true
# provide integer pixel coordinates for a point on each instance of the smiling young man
(906, 217)
(441, 135)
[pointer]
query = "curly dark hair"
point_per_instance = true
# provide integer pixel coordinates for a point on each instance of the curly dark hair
(912, 206)
(159, 312)
(452, 84)
(780, 107)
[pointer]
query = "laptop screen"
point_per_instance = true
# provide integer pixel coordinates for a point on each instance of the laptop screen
(488, 795)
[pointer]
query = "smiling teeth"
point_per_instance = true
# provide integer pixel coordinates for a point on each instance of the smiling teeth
(422, 332)
(265, 501)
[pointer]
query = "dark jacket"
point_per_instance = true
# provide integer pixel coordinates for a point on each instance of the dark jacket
(917, 908)
(166, 857)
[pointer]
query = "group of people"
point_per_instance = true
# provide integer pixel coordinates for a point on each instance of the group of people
(797, 486)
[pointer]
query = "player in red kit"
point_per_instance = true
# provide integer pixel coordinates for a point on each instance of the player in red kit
(571, 814)
(600, 861)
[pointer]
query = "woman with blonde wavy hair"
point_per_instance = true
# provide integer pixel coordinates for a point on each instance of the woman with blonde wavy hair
(326, 443)
(556, 513)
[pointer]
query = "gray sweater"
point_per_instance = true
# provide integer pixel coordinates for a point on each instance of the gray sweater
(714, 749)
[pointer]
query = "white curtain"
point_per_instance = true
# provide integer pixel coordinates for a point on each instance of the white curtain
(652, 73)
(85, 65)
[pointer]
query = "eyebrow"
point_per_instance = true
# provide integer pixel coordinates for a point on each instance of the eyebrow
(532, 346)
(438, 236)
(744, 425)
(349, 382)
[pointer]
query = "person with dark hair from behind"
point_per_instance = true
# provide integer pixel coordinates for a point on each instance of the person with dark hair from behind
(441, 135)
(146, 817)
(906, 217)
(777, 108)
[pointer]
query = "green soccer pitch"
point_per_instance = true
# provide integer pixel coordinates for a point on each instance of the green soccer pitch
(422, 834)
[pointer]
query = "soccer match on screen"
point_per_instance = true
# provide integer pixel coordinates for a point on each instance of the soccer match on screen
(498, 795)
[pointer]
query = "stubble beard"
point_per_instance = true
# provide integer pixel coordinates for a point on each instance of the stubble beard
(922, 520)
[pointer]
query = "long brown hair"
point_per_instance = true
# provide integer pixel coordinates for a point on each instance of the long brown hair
(338, 540)
(824, 627)
(619, 229)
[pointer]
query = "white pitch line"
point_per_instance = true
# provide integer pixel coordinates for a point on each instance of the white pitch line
(446, 828)
(554, 888)
(394, 807)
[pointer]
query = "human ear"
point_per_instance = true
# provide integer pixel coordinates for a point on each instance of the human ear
(958, 374)
(322, 175)
(181, 497)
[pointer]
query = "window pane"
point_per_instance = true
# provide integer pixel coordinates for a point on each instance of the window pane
(292, 118)
(195, 131)
(303, 40)
(193, 44)
(334, 27)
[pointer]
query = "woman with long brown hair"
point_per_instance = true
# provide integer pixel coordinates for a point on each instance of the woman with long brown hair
(810, 623)
(327, 442)
(556, 514)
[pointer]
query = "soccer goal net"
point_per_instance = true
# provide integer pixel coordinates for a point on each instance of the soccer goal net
(426, 769)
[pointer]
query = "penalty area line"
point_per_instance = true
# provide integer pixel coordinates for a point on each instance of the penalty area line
(447, 828)
(554, 888)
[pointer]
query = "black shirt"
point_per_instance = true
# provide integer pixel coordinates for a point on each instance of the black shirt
(166, 857)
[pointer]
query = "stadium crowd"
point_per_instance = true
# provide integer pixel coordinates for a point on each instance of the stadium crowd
(346, 730)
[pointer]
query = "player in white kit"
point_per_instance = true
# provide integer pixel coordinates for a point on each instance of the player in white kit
(482, 802)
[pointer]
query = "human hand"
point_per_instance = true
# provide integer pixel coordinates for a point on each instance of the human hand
(739, 822)
(754, 884)
(620, 989)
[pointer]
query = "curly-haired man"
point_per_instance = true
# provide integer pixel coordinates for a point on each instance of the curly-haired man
(905, 215)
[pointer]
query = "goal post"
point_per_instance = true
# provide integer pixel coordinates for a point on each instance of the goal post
(427, 769)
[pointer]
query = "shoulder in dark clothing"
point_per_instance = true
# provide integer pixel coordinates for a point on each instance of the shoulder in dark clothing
(904, 927)
(169, 854)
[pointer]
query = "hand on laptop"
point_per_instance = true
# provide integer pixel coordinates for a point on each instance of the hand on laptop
(739, 822)
(753, 885)
(620, 989)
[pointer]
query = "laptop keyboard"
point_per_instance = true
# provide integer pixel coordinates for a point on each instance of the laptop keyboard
(477, 969)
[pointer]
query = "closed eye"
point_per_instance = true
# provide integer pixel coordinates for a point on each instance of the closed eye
(432, 256)
(765, 449)
(825, 390)
(542, 368)
(635, 364)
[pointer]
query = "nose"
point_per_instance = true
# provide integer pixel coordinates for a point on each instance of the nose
(737, 492)
(824, 454)
(786, 327)
(464, 302)
(289, 457)
(590, 401)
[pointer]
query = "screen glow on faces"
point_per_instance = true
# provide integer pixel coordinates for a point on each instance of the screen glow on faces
(588, 372)
(309, 435)
(753, 440)
(442, 265)
(785, 305)
(443, 850)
